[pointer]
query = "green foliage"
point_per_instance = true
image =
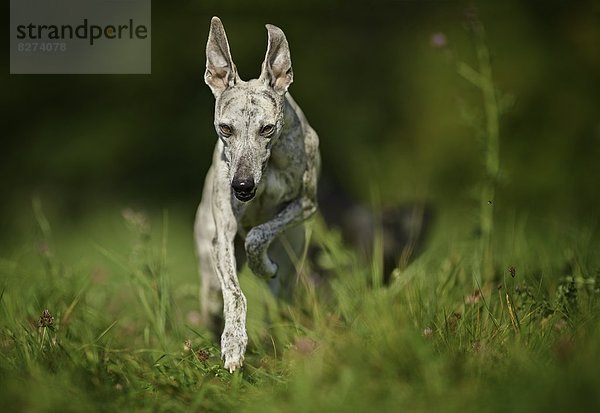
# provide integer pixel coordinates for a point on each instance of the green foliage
(114, 328)
(99, 307)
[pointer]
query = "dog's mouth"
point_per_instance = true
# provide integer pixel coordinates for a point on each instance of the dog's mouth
(245, 196)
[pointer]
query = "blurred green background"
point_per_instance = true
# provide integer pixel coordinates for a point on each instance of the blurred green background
(387, 103)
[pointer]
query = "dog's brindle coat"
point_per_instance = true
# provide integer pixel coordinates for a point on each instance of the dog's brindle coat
(261, 185)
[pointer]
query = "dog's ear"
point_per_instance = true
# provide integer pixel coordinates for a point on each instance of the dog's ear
(277, 67)
(220, 70)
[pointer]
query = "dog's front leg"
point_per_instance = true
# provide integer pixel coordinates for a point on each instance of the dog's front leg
(234, 338)
(260, 237)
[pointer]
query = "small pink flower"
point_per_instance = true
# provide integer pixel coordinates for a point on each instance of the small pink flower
(473, 298)
(438, 40)
(194, 318)
(305, 345)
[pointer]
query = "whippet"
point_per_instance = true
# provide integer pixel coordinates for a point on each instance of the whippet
(260, 187)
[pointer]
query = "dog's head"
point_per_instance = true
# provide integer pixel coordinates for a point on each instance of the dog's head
(248, 115)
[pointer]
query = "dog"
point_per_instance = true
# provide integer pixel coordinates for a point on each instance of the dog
(260, 188)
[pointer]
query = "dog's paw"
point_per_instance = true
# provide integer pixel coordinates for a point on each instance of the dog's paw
(263, 267)
(233, 365)
(233, 347)
(257, 243)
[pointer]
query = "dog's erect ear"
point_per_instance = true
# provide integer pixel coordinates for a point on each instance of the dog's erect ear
(220, 70)
(277, 67)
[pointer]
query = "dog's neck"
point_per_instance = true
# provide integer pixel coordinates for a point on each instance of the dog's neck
(290, 117)
(289, 138)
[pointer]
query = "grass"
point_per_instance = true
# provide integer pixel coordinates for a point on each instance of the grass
(121, 334)
(103, 315)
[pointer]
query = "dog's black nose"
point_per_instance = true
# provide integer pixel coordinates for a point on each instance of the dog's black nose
(243, 188)
(243, 184)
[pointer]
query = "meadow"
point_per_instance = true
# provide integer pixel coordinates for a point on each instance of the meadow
(493, 128)
(103, 317)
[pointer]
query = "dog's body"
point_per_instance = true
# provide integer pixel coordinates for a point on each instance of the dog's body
(261, 185)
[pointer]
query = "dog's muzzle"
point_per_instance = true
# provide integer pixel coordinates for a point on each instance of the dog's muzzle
(243, 188)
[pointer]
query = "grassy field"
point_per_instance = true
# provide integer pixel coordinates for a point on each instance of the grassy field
(101, 315)
(495, 128)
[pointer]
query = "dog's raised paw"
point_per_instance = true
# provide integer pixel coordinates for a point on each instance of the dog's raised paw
(263, 267)
(257, 244)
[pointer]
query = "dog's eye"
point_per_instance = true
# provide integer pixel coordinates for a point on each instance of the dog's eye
(226, 130)
(267, 130)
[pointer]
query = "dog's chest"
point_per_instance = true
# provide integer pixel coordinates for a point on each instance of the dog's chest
(281, 184)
